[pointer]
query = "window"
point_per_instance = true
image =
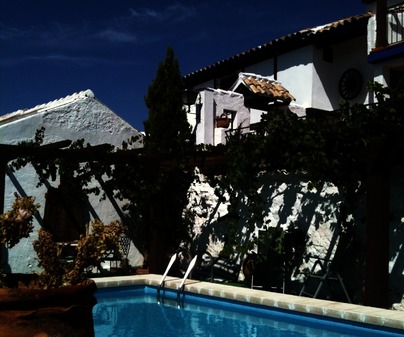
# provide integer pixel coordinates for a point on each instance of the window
(65, 215)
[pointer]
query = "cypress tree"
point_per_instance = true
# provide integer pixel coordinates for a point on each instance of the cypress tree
(167, 129)
(168, 136)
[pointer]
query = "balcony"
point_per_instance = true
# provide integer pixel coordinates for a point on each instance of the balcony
(389, 33)
(395, 24)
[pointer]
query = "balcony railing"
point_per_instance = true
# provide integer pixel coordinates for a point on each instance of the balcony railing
(395, 24)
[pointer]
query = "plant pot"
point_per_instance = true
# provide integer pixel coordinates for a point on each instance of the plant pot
(142, 271)
(64, 311)
(222, 122)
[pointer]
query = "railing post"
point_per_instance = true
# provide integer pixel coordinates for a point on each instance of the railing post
(381, 24)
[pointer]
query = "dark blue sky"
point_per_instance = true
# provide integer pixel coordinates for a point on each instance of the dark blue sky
(51, 49)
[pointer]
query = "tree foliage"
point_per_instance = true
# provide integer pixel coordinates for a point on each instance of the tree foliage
(167, 129)
(91, 250)
(17, 223)
(169, 138)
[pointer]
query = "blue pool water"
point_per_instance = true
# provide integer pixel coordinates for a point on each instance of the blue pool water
(134, 311)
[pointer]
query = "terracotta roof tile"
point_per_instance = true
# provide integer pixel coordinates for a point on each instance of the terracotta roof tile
(266, 87)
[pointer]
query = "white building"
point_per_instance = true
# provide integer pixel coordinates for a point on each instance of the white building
(385, 49)
(75, 117)
(318, 68)
(321, 67)
(315, 70)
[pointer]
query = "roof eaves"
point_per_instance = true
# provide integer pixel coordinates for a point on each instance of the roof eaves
(332, 32)
(253, 55)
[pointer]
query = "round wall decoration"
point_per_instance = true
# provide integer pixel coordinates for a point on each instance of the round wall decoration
(350, 84)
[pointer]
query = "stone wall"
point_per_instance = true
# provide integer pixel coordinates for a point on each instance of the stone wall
(291, 204)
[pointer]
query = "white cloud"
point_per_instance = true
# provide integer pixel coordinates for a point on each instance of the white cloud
(145, 12)
(11, 33)
(140, 26)
(116, 36)
(66, 37)
(176, 12)
(55, 58)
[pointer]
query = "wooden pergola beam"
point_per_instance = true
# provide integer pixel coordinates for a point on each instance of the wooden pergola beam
(208, 163)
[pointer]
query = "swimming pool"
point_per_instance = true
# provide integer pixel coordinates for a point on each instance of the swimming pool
(133, 311)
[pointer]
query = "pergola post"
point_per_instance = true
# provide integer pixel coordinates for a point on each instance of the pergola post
(381, 24)
(377, 230)
(3, 170)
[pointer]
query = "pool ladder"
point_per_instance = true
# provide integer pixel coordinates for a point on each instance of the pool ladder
(181, 287)
(163, 279)
(182, 284)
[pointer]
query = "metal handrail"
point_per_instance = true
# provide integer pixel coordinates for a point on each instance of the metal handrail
(162, 282)
(182, 284)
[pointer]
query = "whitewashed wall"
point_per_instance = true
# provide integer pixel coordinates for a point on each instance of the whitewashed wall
(79, 116)
(291, 203)
(304, 72)
(213, 103)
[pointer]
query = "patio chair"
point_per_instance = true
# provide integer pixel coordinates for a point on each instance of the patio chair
(324, 273)
(217, 269)
(266, 275)
(267, 268)
(116, 258)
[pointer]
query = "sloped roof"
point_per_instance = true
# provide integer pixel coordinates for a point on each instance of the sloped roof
(333, 32)
(46, 106)
(263, 86)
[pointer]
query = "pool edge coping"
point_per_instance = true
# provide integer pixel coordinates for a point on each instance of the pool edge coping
(338, 310)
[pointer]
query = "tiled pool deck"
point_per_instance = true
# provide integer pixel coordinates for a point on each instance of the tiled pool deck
(351, 312)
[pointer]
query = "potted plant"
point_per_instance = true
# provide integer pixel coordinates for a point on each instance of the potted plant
(59, 300)
(223, 121)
